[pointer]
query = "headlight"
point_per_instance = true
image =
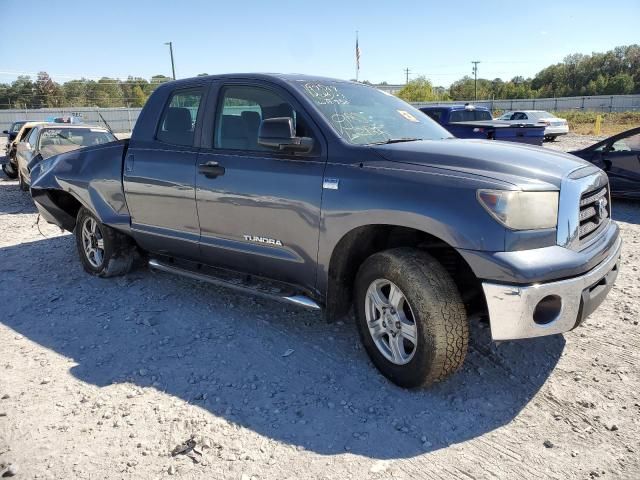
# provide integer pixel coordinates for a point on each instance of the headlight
(521, 210)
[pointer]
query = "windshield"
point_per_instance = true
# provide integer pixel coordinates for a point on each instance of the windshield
(363, 115)
(59, 140)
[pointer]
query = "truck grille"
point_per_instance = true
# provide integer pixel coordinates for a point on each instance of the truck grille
(595, 209)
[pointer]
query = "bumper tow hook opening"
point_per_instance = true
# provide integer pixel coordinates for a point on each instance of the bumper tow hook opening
(547, 310)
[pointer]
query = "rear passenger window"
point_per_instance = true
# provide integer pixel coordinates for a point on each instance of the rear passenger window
(434, 114)
(243, 109)
(179, 119)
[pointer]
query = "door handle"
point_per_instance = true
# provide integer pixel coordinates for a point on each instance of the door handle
(211, 169)
(129, 163)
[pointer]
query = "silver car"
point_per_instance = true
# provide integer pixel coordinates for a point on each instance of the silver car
(554, 126)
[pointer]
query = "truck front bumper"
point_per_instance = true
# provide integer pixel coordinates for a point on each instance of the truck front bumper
(525, 311)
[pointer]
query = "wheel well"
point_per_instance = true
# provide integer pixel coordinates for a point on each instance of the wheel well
(359, 244)
(65, 202)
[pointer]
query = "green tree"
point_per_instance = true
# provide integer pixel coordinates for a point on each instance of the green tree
(139, 97)
(619, 84)
(417, 90)
(75, 93)
(47, 92)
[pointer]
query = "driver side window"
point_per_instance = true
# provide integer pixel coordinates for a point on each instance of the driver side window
(243, 110)
(627, 144)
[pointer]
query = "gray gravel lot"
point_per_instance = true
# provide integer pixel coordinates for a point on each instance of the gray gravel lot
(103, 378)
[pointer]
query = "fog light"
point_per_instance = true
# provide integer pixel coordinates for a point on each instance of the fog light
(547, 310)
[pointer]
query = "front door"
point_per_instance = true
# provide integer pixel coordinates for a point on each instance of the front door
(259, 210)
(621, 161)
(159, 180)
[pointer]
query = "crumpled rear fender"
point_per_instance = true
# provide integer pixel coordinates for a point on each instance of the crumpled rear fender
(93, 176)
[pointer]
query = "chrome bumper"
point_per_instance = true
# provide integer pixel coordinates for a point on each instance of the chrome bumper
(512, 307)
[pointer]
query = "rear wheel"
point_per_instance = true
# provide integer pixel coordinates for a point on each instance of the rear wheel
(410, 317)
(103, 251)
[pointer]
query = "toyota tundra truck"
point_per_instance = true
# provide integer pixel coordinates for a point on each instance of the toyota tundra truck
(333, 195)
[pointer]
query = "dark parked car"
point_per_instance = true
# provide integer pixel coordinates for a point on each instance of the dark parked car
(619, 156)
(332, 194)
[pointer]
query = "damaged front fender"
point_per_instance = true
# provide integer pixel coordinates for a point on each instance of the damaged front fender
(90, 177)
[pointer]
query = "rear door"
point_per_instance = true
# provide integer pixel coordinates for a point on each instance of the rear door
(26, 150)
(159, 178)
(260, 212)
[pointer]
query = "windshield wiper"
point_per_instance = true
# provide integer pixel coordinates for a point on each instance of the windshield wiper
(396, 140)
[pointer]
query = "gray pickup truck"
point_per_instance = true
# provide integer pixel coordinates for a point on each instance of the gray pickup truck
(330, 195)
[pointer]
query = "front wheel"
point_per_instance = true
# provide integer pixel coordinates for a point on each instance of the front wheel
(9, 171)
(104, 252)
(410, 316)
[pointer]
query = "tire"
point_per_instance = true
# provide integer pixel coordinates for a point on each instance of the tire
(23, 185)
(431, 302)
(103, 251)
(9, 171)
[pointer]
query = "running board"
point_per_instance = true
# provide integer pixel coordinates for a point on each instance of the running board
(295, 299)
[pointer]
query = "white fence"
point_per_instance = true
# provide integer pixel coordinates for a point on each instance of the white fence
(600, 103)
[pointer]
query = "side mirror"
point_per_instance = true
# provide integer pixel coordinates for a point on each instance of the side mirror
(6, 132)
(278, 134)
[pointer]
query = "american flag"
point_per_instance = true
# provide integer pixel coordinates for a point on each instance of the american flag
(357, 54)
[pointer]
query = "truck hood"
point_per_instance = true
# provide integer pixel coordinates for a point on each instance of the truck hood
(523, 166)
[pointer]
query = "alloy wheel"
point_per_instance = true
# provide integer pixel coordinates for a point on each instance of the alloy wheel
(391, 322)
(93, 242)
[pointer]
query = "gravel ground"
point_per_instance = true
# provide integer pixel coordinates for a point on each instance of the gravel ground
(105, 378)
(572, 141)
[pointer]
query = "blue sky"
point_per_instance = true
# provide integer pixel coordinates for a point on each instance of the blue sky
(438, 39)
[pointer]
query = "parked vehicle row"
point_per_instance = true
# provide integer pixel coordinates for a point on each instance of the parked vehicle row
(333, 195)
(469, 121)
(37, 141)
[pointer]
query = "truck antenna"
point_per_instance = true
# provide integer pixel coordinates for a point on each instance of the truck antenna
(105, 122)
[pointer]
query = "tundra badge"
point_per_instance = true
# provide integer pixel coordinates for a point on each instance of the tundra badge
(268, 241)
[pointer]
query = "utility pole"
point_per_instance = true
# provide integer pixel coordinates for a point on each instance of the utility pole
(407, 72)
(173, 68)
(475, 79)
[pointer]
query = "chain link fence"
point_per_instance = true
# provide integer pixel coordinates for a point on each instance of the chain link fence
(600, 103)
(122, 120)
